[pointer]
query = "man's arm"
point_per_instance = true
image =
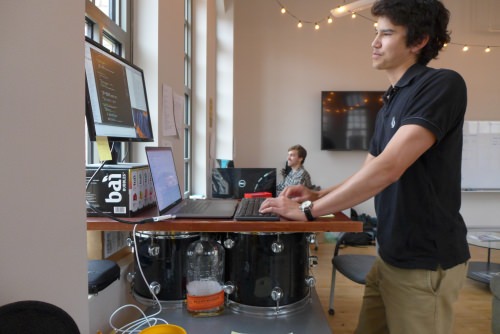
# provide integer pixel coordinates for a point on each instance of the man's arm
(409, 143)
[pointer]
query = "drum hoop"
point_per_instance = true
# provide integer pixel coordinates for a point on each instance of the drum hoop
(168, 304)
(270, 311)
(266, 233)
(166, 235)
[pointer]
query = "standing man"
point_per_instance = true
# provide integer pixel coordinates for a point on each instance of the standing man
(414, 171)
(297, 174)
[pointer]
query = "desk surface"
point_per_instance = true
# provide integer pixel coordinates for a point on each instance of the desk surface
(339, 223)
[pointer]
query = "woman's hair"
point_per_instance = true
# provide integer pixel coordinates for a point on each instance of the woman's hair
(421, 18)
(301, 152)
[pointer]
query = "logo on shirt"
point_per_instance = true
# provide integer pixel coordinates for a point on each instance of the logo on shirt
(393, 122)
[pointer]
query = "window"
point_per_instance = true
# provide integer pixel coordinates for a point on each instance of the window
(187, 97)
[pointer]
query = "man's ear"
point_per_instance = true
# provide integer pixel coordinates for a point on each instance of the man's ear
(418, 46)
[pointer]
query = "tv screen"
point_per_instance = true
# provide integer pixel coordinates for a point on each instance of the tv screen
(348, 119)
(116, 100)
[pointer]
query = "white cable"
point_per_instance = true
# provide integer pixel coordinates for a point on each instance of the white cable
(146, 320)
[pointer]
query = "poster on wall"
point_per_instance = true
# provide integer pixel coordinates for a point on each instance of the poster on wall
(481, 156)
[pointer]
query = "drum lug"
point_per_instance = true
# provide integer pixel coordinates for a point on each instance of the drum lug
(310, 281)
(155, 287)
(130, 242)
(229, 243)
(313, 261)
(130, 277)
(229, 288)
(277, 246)
(153, 250)
(276, 293)
(311, 238)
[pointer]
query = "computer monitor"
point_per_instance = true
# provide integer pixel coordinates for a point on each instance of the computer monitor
(116, 99)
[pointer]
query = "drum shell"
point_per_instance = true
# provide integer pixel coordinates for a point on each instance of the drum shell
(168, 268)
(255, 269)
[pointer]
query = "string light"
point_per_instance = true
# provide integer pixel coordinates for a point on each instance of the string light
(329, 19)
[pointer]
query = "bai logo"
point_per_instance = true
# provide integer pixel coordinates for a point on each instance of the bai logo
(114, 182)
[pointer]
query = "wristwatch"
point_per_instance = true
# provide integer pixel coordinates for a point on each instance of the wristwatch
(306, 208)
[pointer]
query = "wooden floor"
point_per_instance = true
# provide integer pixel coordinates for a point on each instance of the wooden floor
(473, 309)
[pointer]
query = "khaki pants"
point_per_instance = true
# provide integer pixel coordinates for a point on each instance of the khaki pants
(409, 301)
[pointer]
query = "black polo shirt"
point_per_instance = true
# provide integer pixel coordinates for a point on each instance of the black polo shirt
(420, 226)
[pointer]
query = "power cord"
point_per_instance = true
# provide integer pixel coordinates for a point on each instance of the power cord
(146, 320)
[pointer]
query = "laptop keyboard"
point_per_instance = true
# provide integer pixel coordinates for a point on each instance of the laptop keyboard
(248, 209)
(194, 206)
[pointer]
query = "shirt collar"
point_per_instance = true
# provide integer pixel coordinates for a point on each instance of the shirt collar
(412, 72)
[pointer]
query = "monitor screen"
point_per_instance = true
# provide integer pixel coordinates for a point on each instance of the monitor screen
(348, 119)
(116, 100)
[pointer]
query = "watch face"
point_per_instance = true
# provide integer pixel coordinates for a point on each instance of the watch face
(305, 204)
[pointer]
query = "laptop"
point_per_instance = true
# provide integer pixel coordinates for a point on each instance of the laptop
(235, 182)
(168, 193)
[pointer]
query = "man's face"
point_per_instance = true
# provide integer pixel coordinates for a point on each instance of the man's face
(390, 52)
(293, 159)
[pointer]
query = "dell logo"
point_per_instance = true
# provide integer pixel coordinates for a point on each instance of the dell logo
(242, 183)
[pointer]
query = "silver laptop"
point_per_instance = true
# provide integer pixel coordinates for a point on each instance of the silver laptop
(168, 193)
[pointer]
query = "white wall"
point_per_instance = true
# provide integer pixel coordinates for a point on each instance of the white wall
(280, 71)
(42, 207)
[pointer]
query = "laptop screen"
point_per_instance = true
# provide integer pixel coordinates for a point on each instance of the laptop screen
(165, 181)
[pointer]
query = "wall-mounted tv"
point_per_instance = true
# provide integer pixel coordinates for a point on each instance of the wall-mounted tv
(348, 119)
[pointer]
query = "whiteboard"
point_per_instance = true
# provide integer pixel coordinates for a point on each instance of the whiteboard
(481, 155)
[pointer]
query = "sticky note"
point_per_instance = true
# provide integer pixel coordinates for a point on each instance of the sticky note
(103, 148)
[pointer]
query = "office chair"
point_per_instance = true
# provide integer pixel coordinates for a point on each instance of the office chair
(35, 317)
(352, 266)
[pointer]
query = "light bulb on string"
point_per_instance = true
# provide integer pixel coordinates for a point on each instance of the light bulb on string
(316, 26)
(465, 48)
(283, 10)
(353, 15)
(330, 20)
(488, 49)
(299, 25)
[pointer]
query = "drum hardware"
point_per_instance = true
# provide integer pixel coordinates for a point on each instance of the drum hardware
(155, 288)
(277, 246)
(310, 281)
(276, 294)
(228, 288)
(130, 277)
(313, 261)
(311, 238)
(229, 243)
(130, 243)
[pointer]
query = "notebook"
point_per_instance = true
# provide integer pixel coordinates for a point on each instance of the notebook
(168, 193)
(235, 182)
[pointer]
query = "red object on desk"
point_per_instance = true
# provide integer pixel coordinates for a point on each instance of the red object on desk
(260, 194)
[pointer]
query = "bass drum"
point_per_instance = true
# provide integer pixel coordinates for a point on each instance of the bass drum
(269, 272)
(162, 257)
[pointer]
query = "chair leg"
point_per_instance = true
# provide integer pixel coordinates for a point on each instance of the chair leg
(331, 311)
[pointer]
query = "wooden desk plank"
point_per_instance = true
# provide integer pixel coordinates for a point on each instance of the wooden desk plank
(338, 223)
